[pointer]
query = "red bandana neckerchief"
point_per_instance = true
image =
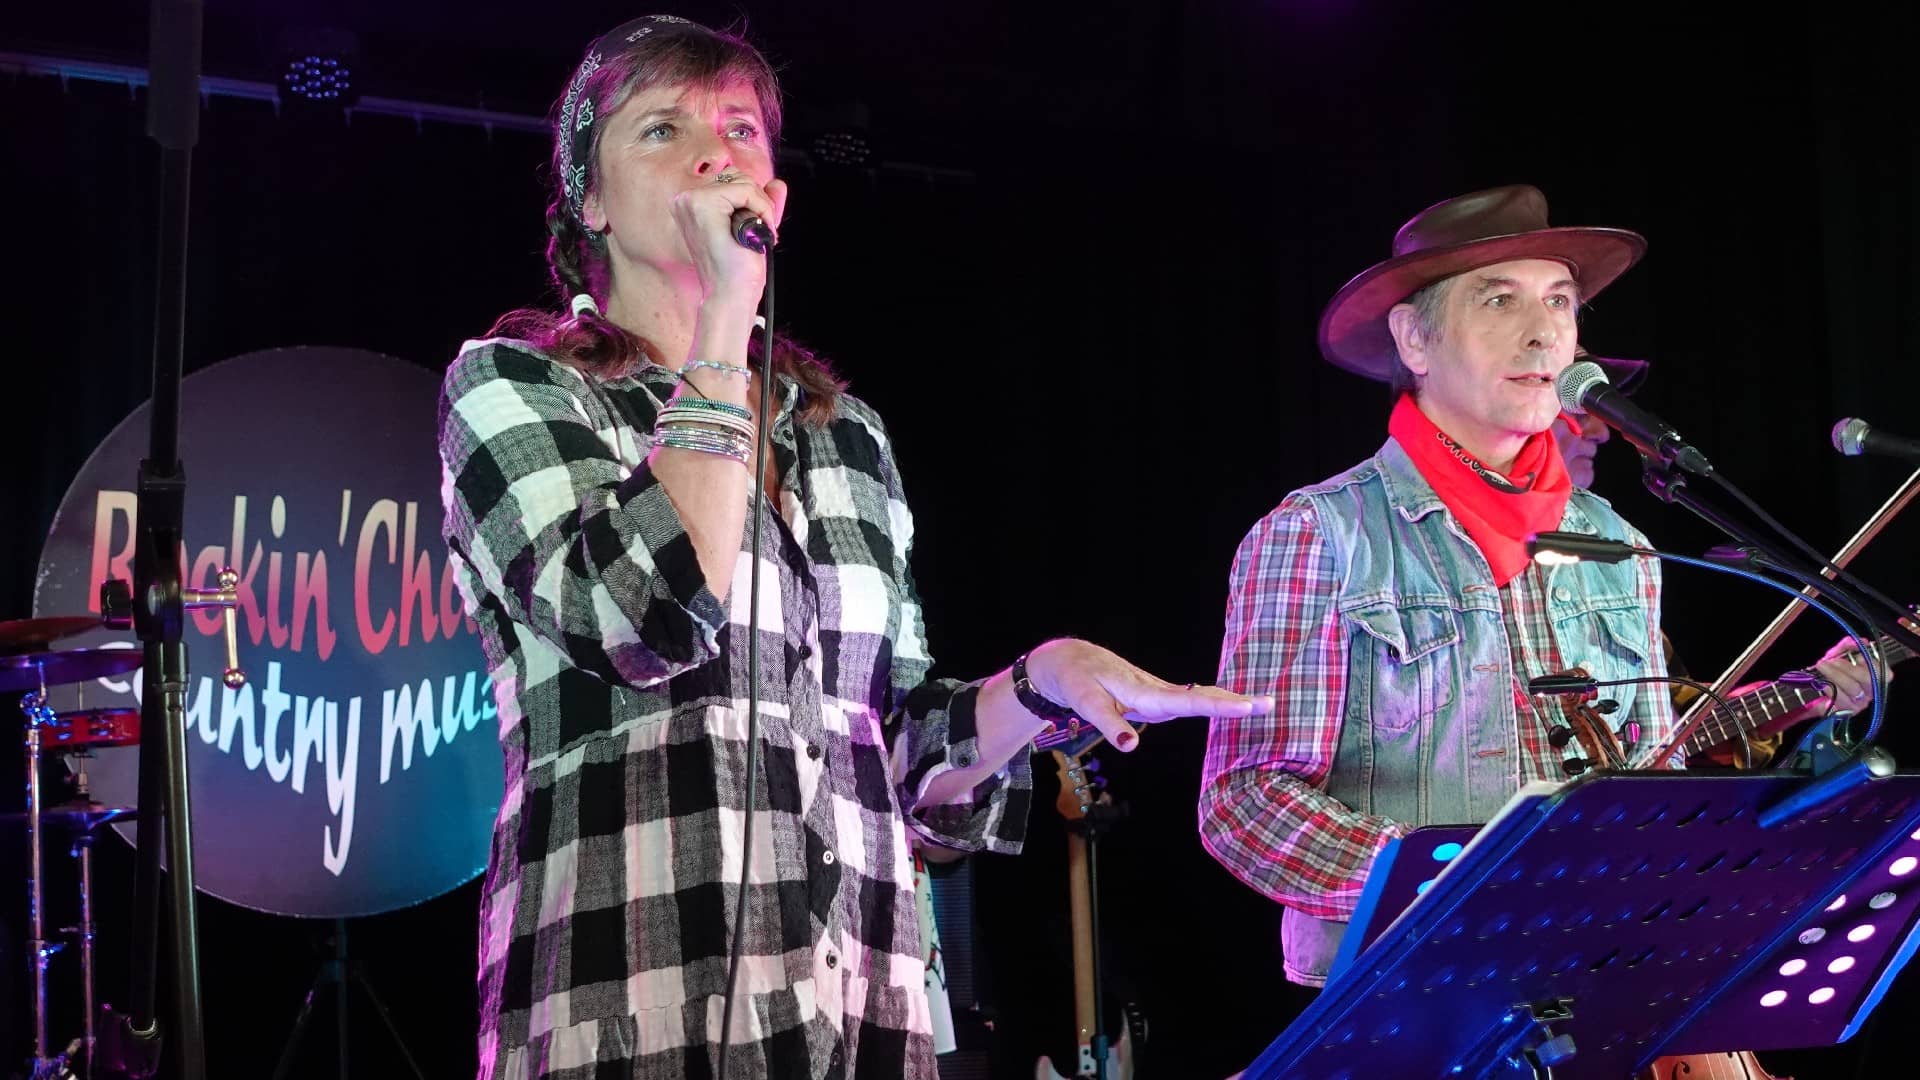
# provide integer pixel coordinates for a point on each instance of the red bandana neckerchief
(1498, 511)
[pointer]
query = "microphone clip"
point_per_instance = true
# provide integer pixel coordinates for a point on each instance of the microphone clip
(1549, 685)
(1662, 480)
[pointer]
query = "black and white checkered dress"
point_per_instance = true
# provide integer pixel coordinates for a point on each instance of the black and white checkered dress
(622, 685)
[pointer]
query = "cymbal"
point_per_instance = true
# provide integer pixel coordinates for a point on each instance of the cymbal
(82, 815)
(27, 670)
(39, 633)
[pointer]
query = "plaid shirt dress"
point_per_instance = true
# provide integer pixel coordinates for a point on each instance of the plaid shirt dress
(622, 686)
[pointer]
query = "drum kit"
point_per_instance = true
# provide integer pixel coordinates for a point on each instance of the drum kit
(29, 666)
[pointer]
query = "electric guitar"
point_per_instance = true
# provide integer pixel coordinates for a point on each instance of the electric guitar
(1080, 793)
(1763, 706)
(1750, 711)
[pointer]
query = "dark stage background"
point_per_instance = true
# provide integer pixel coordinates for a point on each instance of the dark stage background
(1083, 294)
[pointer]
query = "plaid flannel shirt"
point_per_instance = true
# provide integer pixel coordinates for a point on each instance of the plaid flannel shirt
(622, 686)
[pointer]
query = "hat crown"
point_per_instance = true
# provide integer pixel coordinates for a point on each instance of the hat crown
(1501, 211)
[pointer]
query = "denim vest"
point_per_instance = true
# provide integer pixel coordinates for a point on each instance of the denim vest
(1428, 729)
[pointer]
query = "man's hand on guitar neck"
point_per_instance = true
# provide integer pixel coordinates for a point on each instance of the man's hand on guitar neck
(1852, 690)
(1842, 669)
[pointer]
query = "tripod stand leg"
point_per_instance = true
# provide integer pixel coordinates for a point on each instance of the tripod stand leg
(322, 979)
(349, 972)
(336, 972)
(387, 1019)
(341, 970)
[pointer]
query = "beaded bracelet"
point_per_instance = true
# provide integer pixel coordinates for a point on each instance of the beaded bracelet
(715, 365)
(701, 414)
(705, 411)
(745, 438)
(720, 444)
(730, 429)
(710, 405)
(732, 419)
(730, 450)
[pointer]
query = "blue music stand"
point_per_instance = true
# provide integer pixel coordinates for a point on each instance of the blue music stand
(1594, 926)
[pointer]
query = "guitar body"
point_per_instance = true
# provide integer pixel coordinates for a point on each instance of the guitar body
(1824, 744)
(1119, 1062)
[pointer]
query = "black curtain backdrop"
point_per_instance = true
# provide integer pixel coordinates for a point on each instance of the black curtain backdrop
(1091, 334)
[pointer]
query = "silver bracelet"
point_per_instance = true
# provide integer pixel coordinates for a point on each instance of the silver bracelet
(720, 444)
(706, 417)
(704, 434)
(726, 369)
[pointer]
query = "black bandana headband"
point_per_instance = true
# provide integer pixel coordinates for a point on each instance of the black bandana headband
(575, 135)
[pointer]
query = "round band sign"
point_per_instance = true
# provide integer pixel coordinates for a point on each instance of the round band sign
(359, 769)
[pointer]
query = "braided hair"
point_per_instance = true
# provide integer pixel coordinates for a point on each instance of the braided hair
(666, 52)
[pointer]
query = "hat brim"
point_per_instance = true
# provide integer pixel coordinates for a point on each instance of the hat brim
(1353, 328)
(1625, 375)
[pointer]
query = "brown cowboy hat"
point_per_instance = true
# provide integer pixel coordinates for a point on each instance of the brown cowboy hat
(1454, 237)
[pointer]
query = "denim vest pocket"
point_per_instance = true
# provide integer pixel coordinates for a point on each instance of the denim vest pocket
(1626, 634)
(1610, 643)
(1414, 650)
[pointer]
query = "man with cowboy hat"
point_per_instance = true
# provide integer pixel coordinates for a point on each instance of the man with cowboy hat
(1393, 609)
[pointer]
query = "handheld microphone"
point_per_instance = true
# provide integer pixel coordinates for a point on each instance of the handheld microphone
(1854, 437)
(1583, 388)
(750, 232)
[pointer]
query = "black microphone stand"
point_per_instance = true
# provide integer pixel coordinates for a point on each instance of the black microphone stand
(1669, 486)
(1832, 776)
(157, 602)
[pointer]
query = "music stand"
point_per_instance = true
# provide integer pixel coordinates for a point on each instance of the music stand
(1595, 926)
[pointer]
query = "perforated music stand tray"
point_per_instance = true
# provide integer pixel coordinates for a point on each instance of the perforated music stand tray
(1641, 914)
